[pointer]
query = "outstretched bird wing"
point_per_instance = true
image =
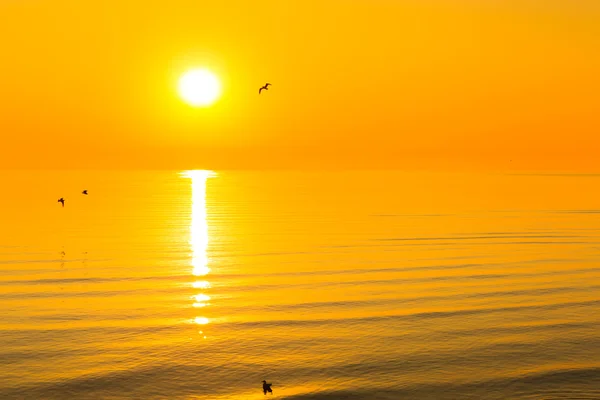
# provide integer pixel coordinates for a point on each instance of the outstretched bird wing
(260, 90)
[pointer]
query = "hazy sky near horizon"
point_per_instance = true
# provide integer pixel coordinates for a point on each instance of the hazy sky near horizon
(356, 83)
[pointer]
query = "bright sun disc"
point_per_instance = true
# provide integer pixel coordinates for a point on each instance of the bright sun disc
(199, 87)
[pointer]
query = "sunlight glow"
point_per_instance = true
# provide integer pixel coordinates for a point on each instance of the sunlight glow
(199, 87)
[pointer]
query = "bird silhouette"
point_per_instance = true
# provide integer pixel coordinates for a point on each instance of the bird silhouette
(61, 200)
(266, 87)
(267, 387)
(84, 192)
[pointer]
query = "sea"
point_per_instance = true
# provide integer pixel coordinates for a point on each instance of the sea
(382, 285)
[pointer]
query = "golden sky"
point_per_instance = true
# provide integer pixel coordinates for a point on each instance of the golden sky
(356, 83)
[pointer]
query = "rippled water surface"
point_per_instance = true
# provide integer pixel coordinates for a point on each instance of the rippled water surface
(337, 285)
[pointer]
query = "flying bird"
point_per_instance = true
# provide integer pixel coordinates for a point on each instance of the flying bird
(84, 192)
(267, 387)
(266, 87)
(61, 200)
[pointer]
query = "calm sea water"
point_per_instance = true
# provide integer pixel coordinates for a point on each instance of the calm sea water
(345, 285)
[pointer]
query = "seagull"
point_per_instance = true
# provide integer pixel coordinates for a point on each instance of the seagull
(266, 87)
(84, 192)
(267, 387)
(61, 200)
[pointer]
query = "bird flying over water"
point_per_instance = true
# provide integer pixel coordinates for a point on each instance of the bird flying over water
(84, 192)
(61, 200)
(266, 87)
(267, 387)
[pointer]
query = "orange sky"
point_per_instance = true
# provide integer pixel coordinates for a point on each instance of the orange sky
(356, 83)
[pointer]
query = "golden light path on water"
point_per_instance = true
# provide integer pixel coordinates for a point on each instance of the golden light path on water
(199, 238)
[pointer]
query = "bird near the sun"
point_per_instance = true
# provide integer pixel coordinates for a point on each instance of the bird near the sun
(267, 387)
(62, 200)
(266, 87)
(84, 192)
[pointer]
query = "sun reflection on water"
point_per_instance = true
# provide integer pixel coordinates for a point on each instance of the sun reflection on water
(199, 238)
(201, 285)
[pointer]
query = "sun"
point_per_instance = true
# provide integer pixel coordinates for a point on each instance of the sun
(199, 87)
